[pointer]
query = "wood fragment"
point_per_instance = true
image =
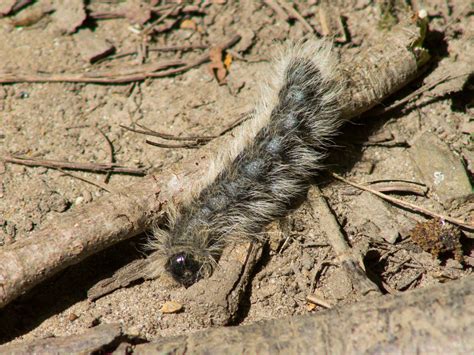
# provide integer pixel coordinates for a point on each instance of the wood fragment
(100, 186)
(438, 319)
(408, 205)
(319, 301)
(93, 167)
(296, 15)
(93, 340)
(92, 48)
(277, 8)
(152, 25)
(399, 186)
(413, 95)
(350, 260)
(113, 78)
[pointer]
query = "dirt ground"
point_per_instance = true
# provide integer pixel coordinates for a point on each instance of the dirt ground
(64, 121)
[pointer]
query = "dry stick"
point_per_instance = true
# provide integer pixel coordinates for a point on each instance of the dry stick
(152, 25)
(150, 132)
(295, 14)
(111, 153)
(101, 168)
(414, 94)
(102, 78)
(405, 204)
(198, 140)
(101, 186)
(277, 8)
(170, 48)
(166, 145)
(76, 234)
(399, 186)
(175, 48)
(437, 319)
(106, 77)
(351, 263)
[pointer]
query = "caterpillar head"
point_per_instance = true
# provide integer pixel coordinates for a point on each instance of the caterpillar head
(184, 268)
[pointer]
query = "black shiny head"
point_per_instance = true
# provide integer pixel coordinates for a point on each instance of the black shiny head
(183, 268)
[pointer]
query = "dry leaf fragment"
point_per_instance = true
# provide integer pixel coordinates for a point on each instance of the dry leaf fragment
(171, 307)
(217, 67)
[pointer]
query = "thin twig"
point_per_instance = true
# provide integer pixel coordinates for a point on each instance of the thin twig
(349, 259)
(99, 185)
(277, 8)
(295, 14)
(399, 186)
(111, 153)
(176, 48)
(150, 132)
(152, 25)
(319, 301)
(92, 167)
(405, 204)
(413, 95)
(108, 78)
(165, 145)
(195, 141)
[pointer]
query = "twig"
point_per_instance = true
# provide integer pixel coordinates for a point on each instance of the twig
(316, 300)
(414, 94)
(405, 204)
(197, 141)
(105, 77)
(152, 25)
(102, 78)
(399, 186)
(188, 47)
(111, 153)
(165, 145)
(19, 5)
(295, 14)
(277, 8)
(92, 167)
(150, 132)
(350, 260)
(99, 185)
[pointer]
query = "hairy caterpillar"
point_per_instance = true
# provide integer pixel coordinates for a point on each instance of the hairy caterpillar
(269, 166)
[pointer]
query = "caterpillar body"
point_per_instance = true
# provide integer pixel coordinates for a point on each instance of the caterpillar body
(269, 166)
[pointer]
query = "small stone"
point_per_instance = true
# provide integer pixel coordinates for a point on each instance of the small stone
(171, 307)
(72, 317)
(440, 168)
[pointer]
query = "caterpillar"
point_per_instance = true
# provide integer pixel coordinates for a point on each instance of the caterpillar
(269, 166)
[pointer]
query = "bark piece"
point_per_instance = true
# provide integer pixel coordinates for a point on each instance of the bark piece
(437, 319)
(216, 298)
(350, 260)
(91, 46)
(90, 341)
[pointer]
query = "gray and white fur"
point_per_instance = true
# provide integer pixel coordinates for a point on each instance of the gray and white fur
(270, 165)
